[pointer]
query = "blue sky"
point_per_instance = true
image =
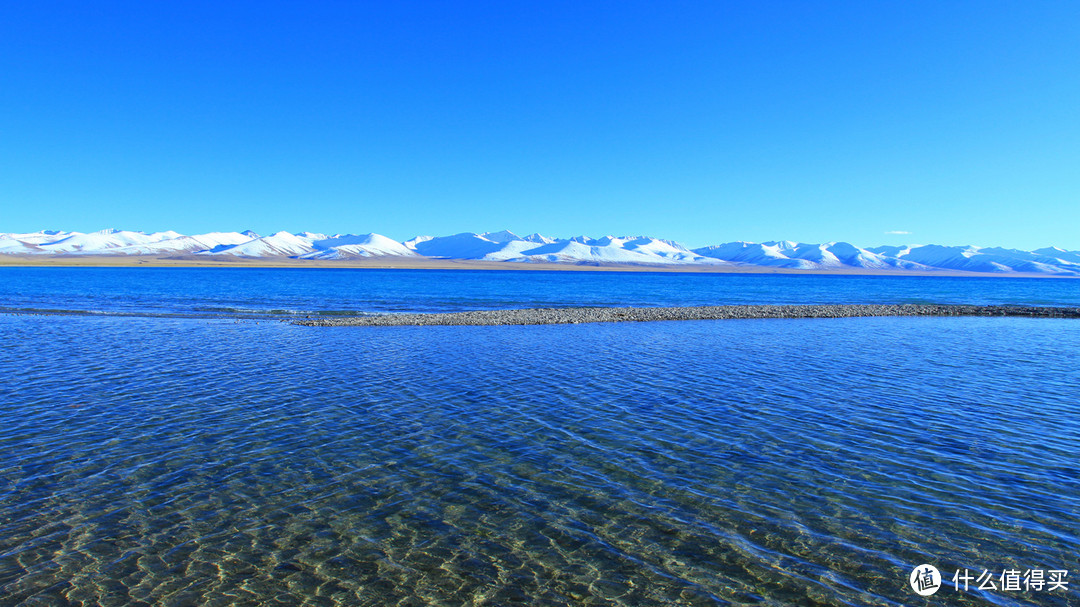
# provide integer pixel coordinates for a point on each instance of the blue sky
(703, 122)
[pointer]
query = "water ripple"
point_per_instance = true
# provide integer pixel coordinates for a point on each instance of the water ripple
(773, 462)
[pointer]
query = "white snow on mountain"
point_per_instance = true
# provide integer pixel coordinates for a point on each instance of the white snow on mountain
(350, 246)
(16, 243)
(281, 244)
(11, 246)
(412, 242)
(570, 251)
(103, 241)
(666, 249)
(181, 245)
(506, 246)
(840, 255)
(459, 246)
(787, 254)
(515, 250)
(538, 239)
(35, 237)
(766, 254)
(610, 249)
(1056, 255)
(311, 245)
(501, 237)
(986, 259)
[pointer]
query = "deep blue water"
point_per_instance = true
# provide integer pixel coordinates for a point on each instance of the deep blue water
(255, 291)
(211, 461)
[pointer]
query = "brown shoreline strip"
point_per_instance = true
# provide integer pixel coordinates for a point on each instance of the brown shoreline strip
(559, 316)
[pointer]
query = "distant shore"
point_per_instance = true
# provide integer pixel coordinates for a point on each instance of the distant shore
(559, 316)
(413, 263)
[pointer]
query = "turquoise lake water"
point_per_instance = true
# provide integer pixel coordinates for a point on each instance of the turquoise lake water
(210, 459)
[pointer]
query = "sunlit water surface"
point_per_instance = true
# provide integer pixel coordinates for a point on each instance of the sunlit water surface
(776, 462)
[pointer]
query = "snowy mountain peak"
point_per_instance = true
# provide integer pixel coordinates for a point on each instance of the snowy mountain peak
(281, 244)
(351, 246)
(539, 239)
(505, 246)
(412, 242)
(503, 236)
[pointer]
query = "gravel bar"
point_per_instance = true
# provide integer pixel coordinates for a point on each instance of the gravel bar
(561, 316)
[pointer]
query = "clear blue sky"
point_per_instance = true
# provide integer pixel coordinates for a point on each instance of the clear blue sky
(703, 122)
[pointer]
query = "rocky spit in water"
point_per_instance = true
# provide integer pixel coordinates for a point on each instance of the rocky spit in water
(559, 316)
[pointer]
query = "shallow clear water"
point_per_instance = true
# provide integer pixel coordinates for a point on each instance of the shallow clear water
(776, 462)
(286, 292)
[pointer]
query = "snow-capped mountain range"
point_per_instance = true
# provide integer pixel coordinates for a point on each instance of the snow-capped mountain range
(506, 246)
